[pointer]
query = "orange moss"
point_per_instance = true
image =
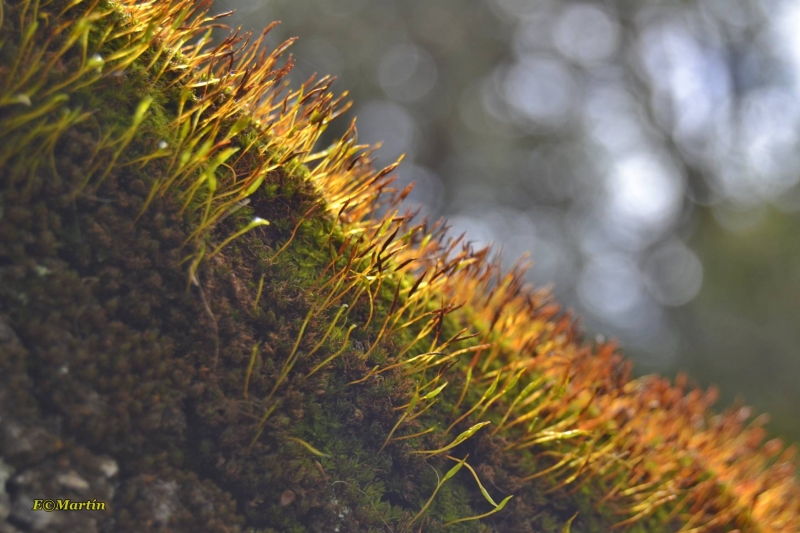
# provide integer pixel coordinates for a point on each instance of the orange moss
(564, 409)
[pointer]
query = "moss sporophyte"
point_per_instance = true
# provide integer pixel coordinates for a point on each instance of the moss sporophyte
(244, 317)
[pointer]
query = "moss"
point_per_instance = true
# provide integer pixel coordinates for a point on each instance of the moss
(157, 371)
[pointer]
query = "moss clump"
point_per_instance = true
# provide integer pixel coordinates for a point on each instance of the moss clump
(330, 371)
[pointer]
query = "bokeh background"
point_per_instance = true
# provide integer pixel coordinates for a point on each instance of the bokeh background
(645, 153)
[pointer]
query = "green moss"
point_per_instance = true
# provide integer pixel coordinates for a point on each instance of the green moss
(156, 373)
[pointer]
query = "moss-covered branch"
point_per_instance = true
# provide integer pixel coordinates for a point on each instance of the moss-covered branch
(212, 327)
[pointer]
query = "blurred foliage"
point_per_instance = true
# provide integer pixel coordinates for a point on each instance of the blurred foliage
(644, 153)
